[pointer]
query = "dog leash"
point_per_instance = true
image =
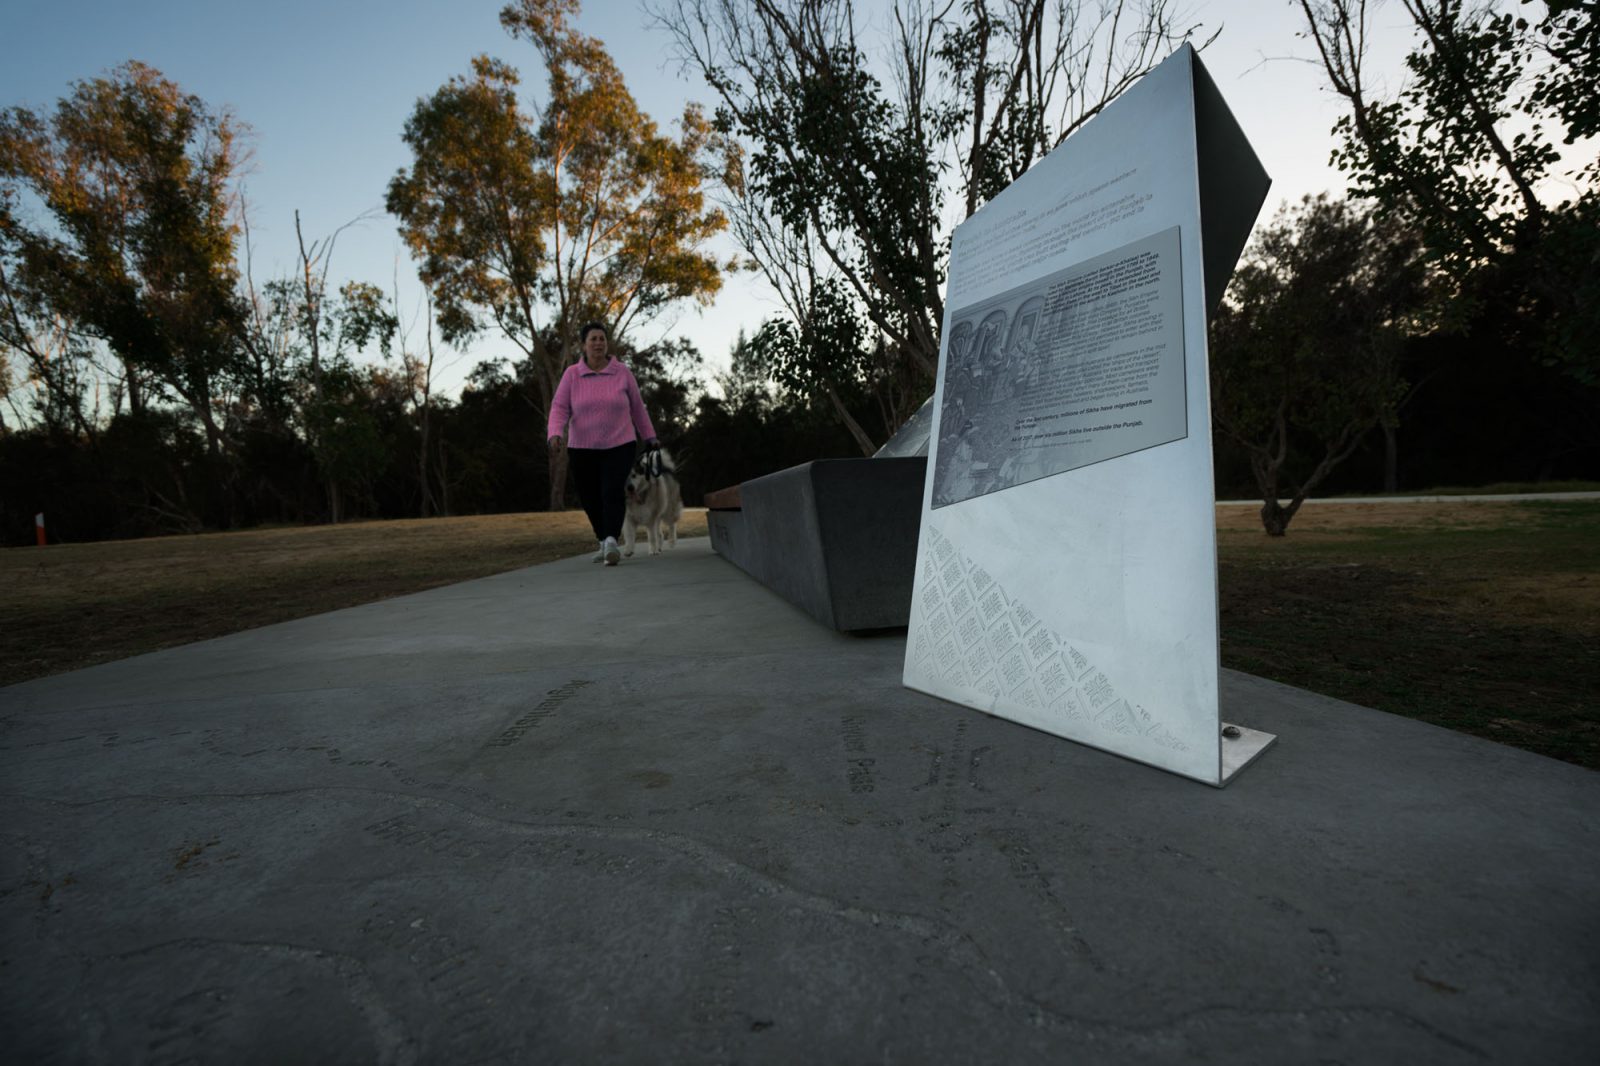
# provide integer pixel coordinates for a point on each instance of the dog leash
(656, 468)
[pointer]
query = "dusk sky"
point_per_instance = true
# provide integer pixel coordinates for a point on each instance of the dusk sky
(326, 88)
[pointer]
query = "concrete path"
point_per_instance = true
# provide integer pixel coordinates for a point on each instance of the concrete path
(655, 814)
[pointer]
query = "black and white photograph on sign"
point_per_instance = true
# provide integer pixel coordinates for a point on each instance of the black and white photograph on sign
(1077, 367)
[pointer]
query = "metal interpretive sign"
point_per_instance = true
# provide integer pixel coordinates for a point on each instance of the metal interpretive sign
(1066, 567)
(1080, 366)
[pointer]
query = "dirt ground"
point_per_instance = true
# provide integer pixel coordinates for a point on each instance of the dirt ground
(1481, 616)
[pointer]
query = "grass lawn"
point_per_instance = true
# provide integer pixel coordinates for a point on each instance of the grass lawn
(1483, 617)
(1479, 616)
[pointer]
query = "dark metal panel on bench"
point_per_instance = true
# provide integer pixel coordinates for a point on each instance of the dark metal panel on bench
(835, 537)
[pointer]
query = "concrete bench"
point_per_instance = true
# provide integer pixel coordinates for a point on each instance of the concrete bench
(835, 537)
(723, 499)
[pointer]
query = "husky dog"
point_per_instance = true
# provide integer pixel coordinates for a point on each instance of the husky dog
(655, 502)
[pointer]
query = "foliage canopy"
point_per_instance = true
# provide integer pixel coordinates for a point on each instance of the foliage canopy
(535, 218)
(1465, 152)
(135, 177)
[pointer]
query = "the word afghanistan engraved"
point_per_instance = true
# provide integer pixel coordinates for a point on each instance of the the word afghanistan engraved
(1066, 567)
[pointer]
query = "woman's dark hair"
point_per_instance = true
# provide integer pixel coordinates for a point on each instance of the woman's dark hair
(590, 327)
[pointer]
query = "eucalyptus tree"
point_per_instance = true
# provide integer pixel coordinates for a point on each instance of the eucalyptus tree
(1306, 345)
(862, 147)
(133, 237)
(417, 371)
(527, 215)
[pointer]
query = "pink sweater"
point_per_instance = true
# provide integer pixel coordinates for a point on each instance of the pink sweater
(603, 407)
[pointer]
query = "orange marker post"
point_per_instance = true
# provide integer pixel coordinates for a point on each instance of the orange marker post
(38, 528)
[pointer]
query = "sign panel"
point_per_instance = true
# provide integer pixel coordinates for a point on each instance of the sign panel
(1066, 567)
(1080, 366)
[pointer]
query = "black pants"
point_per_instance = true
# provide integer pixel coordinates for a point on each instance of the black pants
(599, 475)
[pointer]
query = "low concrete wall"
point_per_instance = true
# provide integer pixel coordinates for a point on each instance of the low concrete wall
(835, 537)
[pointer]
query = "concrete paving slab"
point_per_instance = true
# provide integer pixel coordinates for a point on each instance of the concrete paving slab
(655, 813)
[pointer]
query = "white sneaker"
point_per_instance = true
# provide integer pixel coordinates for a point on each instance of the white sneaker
(600, 556)
(612, 553)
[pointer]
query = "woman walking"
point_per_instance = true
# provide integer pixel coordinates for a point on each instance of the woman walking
(599, 398)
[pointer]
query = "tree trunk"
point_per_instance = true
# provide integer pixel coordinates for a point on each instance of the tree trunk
(427, 411)
(219, 469)
(428, 505)
(209, 423)
(1275, 517)
(135, 392)
(444, 476)
(313, 312)
(1265, 465)
(1391, 459)
(863, 441)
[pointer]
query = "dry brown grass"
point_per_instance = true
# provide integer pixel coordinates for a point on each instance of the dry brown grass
(73, 605)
